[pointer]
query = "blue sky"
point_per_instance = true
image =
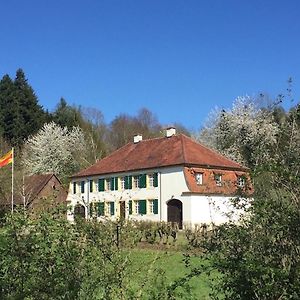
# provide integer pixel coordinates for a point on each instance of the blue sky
(180, 59)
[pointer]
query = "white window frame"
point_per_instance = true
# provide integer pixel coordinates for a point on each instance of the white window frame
(136, 181)
(241, 181)
(122, 183)
(151, 180)
(199, 178)
(151, 206)
(108, 184)
(136, 207)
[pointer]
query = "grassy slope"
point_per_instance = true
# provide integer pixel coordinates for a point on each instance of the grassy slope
(172, 264)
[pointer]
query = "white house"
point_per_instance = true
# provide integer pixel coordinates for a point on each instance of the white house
(172, 178)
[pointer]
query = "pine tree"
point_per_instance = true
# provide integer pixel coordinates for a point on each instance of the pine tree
(32, 114)
(10, 119)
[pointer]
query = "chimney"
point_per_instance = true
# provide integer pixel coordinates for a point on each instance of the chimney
(137, 138)
(170, 131)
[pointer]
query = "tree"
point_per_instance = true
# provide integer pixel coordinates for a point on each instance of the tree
(124, 127)
(20, 113)
(66, 115)
(10, 118)
(258, 257)
(246, 133)
(55, 149)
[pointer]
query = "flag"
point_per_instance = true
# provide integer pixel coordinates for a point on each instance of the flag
(6, 159)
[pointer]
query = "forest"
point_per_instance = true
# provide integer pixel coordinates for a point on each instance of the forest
(258, 258)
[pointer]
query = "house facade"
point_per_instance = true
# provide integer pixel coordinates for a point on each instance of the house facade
(171, 178)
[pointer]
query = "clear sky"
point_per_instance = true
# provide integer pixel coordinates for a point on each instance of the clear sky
(180, 59)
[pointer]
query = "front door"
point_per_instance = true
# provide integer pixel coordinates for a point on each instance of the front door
(175, 212)
(122, 210)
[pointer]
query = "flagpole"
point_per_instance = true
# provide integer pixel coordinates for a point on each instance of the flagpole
(12, 181)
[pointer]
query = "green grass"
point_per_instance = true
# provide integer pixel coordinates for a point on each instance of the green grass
(171, 263)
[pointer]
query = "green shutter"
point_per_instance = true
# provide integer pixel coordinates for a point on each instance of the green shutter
(155, 179)
(130, 207)
(82, 187)
(142, 181)
(91, 186)
(142, 207)
(112, 208)
(101, 185)
(155, 206)
(74, 187)
(112, 184)
(116, 183)
(126, 183)
(130, 182)
(100, 209)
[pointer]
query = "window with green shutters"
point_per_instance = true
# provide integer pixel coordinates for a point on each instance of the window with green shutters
(100, 209)
(142, 181)
(155, 179)
(142, 207)
(74, 187)
(101, 185)
(91, 186)
(130, 207)
(82, 187)
(112, 208)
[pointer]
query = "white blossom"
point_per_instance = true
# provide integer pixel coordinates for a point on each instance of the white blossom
(54, 150)
(245, 133)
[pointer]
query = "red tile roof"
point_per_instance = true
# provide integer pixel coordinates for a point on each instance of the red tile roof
(209, 186)
(159, 152)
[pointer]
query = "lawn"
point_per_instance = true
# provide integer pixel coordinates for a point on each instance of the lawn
(172, 265)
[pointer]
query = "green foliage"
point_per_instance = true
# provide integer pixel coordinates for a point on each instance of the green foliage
(46, 257)
(20, 113)
(259, 257)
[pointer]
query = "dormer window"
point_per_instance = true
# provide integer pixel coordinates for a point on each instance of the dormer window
(218, 179)
(199, 178)
(241, 181)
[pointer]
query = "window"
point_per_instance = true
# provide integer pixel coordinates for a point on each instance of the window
(136, 207)
(140, 207)
(218, 179)
(91, 186)
(111, 208)
(74, 187)
(135, 182)
(153, 206)
(101, 184)
(199, 178)
(241, 181)
(151, 180)
(100, 211)
(122, 180)
(108, 184)
(82, 187)
(128, 182)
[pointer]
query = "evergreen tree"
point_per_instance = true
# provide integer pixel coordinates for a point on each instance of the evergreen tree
(32, 114)
(10, 120)
(66, 115)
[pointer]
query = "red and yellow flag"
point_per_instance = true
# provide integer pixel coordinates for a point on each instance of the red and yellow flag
(6, 159)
